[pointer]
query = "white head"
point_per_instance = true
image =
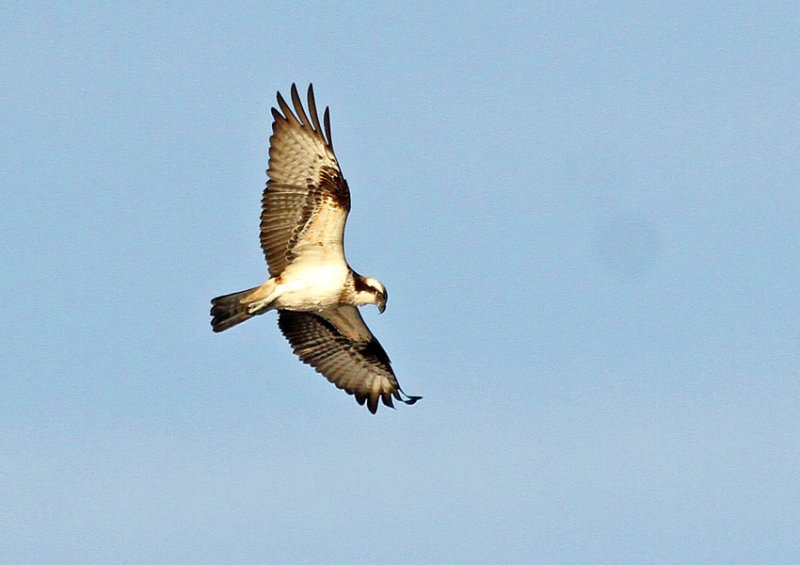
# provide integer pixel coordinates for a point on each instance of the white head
(369, 291)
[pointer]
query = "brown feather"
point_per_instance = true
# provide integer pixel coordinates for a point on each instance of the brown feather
(305, 181)
(355, 362)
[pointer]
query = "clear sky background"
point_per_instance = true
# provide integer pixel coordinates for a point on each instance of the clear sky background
(587, 217)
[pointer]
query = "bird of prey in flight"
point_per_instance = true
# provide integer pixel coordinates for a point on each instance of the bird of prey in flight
(314, 290)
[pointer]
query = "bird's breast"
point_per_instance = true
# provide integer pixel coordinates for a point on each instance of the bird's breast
(311, 287)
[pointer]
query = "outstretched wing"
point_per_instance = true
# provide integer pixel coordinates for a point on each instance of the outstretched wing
(339, 345)
(305, 204)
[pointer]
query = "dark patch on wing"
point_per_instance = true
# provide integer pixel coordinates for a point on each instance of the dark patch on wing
(333, 184)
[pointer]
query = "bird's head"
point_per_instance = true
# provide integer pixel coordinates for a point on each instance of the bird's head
(370, 291)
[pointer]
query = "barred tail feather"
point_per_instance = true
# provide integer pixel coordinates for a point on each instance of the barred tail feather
(230, 310)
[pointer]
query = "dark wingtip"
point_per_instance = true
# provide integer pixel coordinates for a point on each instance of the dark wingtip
(372, 404)
(285, 112)
(408, 400)
(312, 109)
(298, 107)
(293, 90)
(326, 118)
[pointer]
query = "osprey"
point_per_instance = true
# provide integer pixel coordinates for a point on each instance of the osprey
(314, 290)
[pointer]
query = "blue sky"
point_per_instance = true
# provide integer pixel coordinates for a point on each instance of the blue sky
(587, 217)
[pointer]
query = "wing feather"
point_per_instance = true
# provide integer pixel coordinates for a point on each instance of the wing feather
(312, 107)
(339, 345)
(306, 201)
(298, 106)
(327, 120)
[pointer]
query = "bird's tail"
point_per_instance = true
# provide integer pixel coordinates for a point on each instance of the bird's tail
(231, 309)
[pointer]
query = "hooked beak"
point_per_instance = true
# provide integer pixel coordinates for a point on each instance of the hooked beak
(381, 306)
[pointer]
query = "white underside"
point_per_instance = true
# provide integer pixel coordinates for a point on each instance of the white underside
(308, 287)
